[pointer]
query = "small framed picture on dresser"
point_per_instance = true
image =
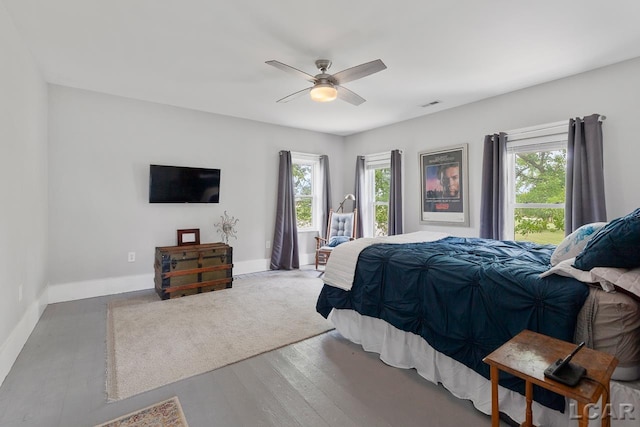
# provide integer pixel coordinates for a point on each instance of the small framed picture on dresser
(189, 236)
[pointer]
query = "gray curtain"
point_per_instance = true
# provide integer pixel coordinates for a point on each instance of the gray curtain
(284, 255)
(585, 202)
(326, 194)
(492, 203)
(359, 193)
(395, 194)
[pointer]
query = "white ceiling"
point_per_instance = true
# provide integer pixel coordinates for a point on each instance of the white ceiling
(210, 55)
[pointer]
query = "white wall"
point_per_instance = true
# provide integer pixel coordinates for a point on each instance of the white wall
(611, 91)
(75, 205)
(100, 149)
(23, 193)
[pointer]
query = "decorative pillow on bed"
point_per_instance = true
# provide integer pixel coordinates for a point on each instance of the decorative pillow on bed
(575, 242)
(615, 245)
(336, 240)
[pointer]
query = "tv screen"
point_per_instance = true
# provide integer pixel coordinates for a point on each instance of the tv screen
(177, 184)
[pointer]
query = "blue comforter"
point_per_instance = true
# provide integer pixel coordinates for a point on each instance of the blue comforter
(464, 296)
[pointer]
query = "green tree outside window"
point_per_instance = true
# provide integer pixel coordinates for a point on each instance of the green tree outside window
(382, 182)
(303, 192)
(540, 178)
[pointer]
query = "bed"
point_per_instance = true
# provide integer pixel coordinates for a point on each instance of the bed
(440, 303)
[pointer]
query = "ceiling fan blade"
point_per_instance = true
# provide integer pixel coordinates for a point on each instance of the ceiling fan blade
(349, 96)
(359, 71)
(289, 69)
(294, 95)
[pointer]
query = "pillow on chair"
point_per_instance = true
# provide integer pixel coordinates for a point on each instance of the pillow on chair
(336, 240)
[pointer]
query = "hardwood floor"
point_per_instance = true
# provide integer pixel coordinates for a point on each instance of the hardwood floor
(59, 381)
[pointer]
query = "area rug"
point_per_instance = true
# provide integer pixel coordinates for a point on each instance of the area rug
(166, 414)
(151, 342)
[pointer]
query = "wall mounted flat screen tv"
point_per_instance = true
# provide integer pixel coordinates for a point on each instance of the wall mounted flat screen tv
(178, 184)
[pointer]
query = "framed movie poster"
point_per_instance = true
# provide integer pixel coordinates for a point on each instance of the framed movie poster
(443, 186)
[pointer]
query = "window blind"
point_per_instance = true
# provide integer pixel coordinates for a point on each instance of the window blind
(548, 137)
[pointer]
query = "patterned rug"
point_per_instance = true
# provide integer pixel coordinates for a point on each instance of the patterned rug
(166, 414)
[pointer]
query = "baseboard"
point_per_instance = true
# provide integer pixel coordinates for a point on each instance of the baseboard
(116, 285)
(307, 259)
(99, 287)
(251, 266)
(257, 265)
(12, 347)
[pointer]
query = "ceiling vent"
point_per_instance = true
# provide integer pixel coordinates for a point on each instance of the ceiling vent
(430, 104)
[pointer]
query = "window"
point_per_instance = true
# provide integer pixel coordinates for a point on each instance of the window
(377, 187)
(306, 170)
(537, 164)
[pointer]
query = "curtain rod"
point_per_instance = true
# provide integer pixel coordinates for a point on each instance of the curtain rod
(601, 117)
(545, 126)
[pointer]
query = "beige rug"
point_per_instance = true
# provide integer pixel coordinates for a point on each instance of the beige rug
(151, 342)
(166, 414)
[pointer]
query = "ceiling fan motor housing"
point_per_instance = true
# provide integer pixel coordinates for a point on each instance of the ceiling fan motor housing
(323, 65)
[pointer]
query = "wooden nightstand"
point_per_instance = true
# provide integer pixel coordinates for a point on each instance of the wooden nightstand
(528, 354)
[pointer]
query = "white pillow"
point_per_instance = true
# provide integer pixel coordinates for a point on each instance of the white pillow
(573, 244)
(629, 280)
(566, 269)
(607, 277)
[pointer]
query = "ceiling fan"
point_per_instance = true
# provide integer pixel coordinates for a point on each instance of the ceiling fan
(327, 87)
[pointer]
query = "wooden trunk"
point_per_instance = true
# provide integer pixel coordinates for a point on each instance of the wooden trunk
(192, 269)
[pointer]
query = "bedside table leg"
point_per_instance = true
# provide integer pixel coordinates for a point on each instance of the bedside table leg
(606, 407)
(583, 414)
(495, 411)
(528, 393)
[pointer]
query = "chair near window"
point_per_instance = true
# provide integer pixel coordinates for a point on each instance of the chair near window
(341, 228)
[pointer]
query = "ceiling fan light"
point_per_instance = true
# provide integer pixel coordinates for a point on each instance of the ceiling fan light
(323, 92)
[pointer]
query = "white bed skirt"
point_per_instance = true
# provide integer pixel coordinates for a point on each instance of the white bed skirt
(407, 350)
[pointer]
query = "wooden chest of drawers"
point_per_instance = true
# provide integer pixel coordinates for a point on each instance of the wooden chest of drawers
(192, 269)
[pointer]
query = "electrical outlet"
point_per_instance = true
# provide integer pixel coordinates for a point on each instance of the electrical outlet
(268, 245)
(131, 257)
(20, 293)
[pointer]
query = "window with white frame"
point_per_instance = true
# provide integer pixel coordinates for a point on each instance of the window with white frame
(305, 169)
(536, 171)
(377, 187)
